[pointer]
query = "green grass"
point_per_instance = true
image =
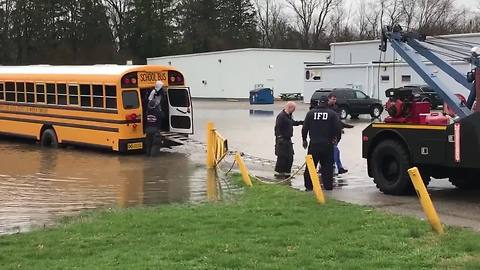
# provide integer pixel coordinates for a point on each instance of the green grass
(267, 227)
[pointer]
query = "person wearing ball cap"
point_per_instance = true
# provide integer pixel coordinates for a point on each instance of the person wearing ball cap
(323, 127)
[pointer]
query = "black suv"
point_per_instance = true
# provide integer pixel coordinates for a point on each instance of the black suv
(351, 102)
(426, 93)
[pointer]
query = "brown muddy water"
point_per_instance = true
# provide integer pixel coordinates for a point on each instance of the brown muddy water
(37, 185)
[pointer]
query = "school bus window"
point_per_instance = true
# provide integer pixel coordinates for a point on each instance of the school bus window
(85, 95)
(40, 93)
(111, 97)
(51, 97)
(73, 94)
(20, 92)
(2, 94)
(62, 94)
(10, 91)
(110, 91)
(30, 92)
(97, 91)
(179, 98)
(130, 99)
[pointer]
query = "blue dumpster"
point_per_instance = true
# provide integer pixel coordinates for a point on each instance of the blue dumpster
(261, 96)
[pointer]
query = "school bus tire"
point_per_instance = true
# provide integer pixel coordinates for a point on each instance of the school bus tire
(49, 138)
(390, 162)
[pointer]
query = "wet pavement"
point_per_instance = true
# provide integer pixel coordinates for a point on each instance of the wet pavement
(37, 186)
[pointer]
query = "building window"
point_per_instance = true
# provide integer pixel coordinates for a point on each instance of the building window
(406, 78)
(385, 78)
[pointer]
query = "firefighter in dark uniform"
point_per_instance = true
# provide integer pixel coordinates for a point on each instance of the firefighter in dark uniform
(323, 126)
(283, 140)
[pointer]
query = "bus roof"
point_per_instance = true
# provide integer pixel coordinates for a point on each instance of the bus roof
(73, 70)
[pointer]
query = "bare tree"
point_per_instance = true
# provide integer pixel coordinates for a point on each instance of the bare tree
(271, 21)
(324, 10)
(368, 20)
(311, 17)
(116, 12)
(409, 9)
(433, 13)
(304, 11)
(391, 12)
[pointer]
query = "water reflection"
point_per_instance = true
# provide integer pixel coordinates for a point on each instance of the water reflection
(38, 185)
(261, 112)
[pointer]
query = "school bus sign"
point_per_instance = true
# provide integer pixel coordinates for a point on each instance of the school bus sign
(146, 79)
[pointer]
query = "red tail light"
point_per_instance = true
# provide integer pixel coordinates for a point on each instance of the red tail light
(131, 117)
(365, 138)
(175, 78)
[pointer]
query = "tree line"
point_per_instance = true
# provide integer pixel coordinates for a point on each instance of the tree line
(113, 31)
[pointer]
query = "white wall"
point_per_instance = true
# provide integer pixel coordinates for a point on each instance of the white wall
(368, 78)
(364, 52)
(232, 74)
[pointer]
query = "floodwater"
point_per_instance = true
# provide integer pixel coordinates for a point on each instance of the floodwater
(38, 186)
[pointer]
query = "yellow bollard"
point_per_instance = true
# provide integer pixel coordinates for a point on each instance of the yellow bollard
(243, 170)
(212, 181)
(317, 189)
(210, 145)
(425, 200)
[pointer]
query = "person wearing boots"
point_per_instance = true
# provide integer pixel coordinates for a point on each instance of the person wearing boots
(283, 140)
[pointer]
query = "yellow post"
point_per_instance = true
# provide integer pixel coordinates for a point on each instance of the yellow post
(425, 200)
(210, 145)
(212, 193)
(317, 189)
(243, 170)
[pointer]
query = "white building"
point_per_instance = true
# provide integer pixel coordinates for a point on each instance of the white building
(361, 65)
(232, 74)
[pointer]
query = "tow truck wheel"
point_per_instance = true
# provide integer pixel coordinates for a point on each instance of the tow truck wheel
(465, 183)
(390, 163)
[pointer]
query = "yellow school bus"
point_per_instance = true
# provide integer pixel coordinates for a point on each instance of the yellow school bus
(99, 105)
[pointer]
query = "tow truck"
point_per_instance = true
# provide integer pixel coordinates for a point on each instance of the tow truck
(439, 145)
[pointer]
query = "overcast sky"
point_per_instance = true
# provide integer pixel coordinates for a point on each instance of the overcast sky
(462, 3)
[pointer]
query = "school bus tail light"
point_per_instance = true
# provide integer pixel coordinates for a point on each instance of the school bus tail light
(132, 118)
(130, 80)
(175, 78)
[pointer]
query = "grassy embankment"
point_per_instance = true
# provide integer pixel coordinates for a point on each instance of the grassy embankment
(268, 227)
